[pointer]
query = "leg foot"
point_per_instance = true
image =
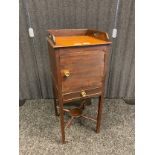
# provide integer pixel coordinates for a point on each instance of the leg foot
(100, 107)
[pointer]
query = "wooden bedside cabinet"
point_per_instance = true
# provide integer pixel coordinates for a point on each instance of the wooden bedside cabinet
(78, 59)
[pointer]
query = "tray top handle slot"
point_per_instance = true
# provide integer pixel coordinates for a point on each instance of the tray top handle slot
(52, 37)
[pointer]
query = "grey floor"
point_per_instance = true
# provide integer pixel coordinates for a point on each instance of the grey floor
(40, 130)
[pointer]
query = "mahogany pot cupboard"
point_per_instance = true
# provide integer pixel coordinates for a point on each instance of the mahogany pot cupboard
(78, 62)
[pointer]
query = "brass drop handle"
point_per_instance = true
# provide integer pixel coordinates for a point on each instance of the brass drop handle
(83, 93)
(66, 73)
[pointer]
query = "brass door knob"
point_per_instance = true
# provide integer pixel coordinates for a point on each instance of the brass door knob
(66, 73)
(83, 93)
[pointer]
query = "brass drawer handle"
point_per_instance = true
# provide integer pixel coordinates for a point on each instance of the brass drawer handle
(83, 93)
(66, 73)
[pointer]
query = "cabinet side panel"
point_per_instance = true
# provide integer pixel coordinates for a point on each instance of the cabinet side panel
(53, 67)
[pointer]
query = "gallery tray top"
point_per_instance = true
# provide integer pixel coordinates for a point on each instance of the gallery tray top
(77, 37)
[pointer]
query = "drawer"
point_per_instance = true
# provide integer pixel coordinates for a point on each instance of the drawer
(81, 69)
(81, 94)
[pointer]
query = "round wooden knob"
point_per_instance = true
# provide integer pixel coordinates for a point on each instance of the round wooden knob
(66, 73)
(83, 93)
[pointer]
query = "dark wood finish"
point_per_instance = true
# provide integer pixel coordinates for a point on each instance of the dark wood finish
(79, 62)
(101, 98)
(68, 32)
(70, 96)
(71, 38)
(80, 32)
(100, 106)
(55, 101)
(78, 70)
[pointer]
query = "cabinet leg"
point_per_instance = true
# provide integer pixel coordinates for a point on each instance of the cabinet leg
(55, 102)
(62, 123)
(100, 107)
(55, 108)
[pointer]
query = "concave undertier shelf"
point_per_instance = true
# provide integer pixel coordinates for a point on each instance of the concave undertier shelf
(77, 37)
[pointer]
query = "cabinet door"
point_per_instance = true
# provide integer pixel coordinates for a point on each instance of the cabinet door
(81, 69)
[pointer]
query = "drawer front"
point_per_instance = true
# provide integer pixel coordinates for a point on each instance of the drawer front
(81, 69)
(81, 94)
